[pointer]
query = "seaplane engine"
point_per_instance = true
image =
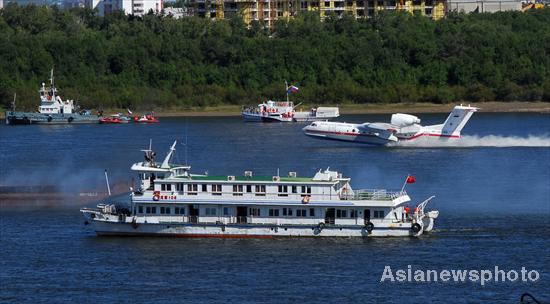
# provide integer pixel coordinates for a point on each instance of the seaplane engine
(403, 120)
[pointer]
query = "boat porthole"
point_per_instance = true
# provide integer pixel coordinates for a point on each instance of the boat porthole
(340, 229)
(167, 226)
(286, 229)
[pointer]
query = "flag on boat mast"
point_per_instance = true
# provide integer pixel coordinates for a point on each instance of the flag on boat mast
(293, 89)
(409, 180)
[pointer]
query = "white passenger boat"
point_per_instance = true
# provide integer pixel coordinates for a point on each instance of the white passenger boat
(285, 111)
(171, 201)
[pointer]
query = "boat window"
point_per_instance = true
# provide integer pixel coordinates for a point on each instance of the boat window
(283, 190)
(210, 211)
(255, 211)
(285, 213)
(216, 189)
(152, 210)
(237, 190)
(179, 210)
(204, 188)
(260, 190)
(248, 188)
(379, 214)
(165, 210)
(294, 189)
(311, 211)
(140, 209)
(314, 125)
(301, 212)
(163, 187)
(353, 213)
(273, 212)
(192, 189)
(306, 190)
(225, 211)
(341, 213)
(179, 187)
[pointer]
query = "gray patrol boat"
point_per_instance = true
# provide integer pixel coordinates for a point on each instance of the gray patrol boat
(52, 110)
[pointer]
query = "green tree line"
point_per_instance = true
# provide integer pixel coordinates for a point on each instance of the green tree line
(156, 62)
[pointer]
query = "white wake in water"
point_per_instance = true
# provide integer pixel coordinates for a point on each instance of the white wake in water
(476, 141)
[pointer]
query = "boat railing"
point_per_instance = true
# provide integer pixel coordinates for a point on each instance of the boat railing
(372, 194)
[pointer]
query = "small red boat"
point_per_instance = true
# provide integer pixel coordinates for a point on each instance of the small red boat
(114, 119)
(147, 118)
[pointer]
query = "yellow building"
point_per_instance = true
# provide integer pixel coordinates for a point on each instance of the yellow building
(270, 10)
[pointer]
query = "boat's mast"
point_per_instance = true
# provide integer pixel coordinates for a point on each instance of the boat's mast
(52, 86)
(107, 181)
(13, 103)
(286, 86)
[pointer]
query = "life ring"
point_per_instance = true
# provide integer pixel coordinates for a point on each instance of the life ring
(305, 200)
(369, 227)
(321, 226)
(416, 227)
(70, 119)
(156, 197)
(50, 118)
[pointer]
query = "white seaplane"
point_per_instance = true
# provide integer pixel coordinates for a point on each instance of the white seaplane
(402, 127)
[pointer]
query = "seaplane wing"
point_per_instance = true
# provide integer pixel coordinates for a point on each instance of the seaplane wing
(380, 129)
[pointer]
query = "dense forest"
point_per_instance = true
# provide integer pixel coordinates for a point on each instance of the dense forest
(160, 62)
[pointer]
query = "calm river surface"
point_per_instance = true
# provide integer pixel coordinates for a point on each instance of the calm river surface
(492, 190)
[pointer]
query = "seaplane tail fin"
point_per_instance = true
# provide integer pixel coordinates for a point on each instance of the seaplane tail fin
(457, 120)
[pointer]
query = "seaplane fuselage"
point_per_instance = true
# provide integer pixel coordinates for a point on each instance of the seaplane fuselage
(402, 127)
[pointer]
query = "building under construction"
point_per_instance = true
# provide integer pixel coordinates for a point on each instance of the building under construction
(267, 11)
(271, 10)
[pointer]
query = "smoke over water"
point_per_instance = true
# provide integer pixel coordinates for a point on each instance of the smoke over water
(476, 141)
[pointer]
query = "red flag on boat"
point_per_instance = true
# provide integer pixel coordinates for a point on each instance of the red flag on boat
(411, 179)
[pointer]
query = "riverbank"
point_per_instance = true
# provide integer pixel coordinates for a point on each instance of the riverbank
(412, 108)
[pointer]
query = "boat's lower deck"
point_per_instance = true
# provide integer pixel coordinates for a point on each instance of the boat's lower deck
(250, 230)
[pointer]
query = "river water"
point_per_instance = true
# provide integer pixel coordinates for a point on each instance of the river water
(492, 189)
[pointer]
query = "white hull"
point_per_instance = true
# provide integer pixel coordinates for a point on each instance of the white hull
(245, 230)
(255, 117)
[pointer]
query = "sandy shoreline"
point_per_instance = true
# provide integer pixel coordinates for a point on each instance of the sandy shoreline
(412, 108)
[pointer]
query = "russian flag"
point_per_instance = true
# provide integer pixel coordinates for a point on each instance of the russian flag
(293, 89)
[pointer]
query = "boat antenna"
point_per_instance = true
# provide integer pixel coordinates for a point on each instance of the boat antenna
(51, 77)
(107, 181)
(13, 103)
(186, 125)
(150, 143)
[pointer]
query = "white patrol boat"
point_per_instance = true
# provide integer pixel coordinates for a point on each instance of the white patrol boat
(52, 110)
(171, 201)
(284, 111)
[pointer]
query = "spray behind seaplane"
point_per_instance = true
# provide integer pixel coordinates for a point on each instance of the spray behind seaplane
(402, 127)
